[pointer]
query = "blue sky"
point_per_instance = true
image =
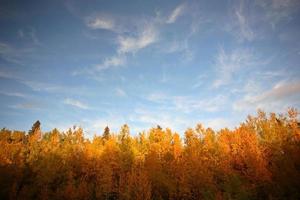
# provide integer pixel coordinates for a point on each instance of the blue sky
(172, 63)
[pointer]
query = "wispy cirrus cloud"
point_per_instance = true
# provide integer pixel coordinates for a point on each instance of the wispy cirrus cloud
(177, 121)
(243, 24)
(145, 37)
(177, 12)
(276, 11)
(188, 104)
(13, 54)
(120, 92)
(143, 33)
(14, 94)
(282, 95)
(33, 85)
(114, 61)
(29, 34)
(252, 20)
(157, 97)
(126, 44)
(27, 106)
(200, 81)
(8, 75)
(76, 103)
(100, 22)
(178, 46)
(229, 63)
(41, 86)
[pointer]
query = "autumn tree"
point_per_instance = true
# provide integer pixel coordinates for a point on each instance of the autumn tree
(106, 133)
(259, 159)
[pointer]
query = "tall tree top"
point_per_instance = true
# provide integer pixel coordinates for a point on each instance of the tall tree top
(106, 133)
(35, 127)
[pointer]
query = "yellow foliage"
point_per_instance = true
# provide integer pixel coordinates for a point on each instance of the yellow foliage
(257, 160)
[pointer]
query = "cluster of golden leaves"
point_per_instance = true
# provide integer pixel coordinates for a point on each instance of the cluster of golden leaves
(260, 159)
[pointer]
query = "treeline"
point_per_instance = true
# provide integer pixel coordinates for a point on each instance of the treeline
(260, 159)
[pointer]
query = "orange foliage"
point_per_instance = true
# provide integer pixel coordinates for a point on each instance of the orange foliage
(260, 159)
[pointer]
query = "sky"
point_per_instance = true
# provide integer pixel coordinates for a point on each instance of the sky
(143, 63)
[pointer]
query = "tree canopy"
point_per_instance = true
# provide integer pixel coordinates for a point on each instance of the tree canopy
(260, 159)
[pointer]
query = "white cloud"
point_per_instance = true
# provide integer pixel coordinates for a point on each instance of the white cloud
(229, 63)
(144, 35)
(157, 97)
(177, 12)
(114, 61)
(280, 91)
(40, 86)
(281, 96)
(76, 103)
(8, 75)
(278, 10)
(246, 33)
(53, 88)
(179, 46)
(175, 46)
(251, 20)
(177, 121)
(27, 106)
(200, 81)
(100, 23)
(188, 104)
(15, 54)
(13, 94)
(29, 34)
(9, 53)
(120, 92)
(132, 44)
(241, 22)
(5, 48)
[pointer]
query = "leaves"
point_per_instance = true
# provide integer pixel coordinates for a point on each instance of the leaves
(257, 160)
